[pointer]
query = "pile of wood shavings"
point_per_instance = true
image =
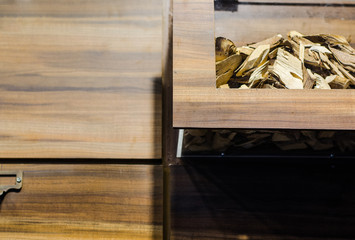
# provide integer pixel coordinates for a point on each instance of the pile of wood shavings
(209, 140)
(322, 61)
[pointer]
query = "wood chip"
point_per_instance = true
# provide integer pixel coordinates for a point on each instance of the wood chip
(245, 50)
(292, 146)
(258, 75)
(320, 82)
(230, 63)
(337, 82)
(224, 86)
(308, 82)
(224, 78)
(344, 58)
(289, 70)
(256, 59)
(224, 48)
(272, 42)
(244, 87)
(281, 137)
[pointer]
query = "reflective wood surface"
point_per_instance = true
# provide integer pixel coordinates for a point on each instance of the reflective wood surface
(80, 79)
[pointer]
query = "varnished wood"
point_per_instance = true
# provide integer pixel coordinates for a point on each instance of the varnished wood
(80, 79)
(255, 200)
(84, 201)
(197, 102)
(169, 133)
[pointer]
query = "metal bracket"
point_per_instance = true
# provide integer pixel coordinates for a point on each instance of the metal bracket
(179, 143)
(17, 186)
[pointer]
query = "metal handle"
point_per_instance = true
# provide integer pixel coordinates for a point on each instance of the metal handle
(17, 186)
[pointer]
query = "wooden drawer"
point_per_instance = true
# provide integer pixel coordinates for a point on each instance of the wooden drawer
(84, 201)
(197, 103)
(80, 79)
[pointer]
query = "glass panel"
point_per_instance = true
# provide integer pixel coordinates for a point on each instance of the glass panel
(268, 143)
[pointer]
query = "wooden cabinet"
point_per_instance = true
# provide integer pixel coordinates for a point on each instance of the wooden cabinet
(197, 103)
(84, 201)
(80, 83)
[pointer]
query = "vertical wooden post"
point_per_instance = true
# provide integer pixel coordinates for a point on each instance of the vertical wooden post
(167, 131)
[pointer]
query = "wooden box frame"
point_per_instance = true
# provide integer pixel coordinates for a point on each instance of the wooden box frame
(197, 103)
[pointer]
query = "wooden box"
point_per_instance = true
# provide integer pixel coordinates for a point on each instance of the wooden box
(197, 103)
(83, 201)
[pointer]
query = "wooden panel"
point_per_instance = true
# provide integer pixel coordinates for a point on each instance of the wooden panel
(80, 79)
(169, 133)
(262, 201)
(84, 201)
(197, 102)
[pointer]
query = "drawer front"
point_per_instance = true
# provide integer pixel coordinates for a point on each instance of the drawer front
(84, 201)
(76, 82)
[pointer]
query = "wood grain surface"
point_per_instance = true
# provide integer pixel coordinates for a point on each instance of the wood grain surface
(255, 200)
(84, 201)
(197, 102)
(80, 79)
